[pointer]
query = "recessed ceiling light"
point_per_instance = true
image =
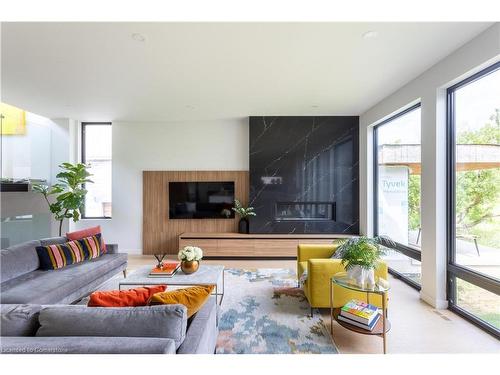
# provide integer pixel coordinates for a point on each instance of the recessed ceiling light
(372, 34)
(138, 37)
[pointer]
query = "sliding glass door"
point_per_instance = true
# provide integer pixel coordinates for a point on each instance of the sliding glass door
(397, 170)
(474, 198)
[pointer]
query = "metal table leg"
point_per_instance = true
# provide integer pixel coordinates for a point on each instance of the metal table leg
(384, 312)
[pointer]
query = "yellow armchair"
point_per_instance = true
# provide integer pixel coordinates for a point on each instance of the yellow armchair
(316, 259)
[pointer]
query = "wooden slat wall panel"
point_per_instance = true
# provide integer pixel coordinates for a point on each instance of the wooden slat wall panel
(159, 233)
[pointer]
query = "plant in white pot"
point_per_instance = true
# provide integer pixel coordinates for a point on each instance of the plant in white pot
(360, 256)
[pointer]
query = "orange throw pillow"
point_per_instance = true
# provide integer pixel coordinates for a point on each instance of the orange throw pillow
(87, 232)
(124, 298)
(193, 298)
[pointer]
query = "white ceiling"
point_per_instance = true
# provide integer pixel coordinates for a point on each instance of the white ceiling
(192, 71)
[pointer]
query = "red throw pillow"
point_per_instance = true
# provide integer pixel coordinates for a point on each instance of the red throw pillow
(88, 232)
(124, 298)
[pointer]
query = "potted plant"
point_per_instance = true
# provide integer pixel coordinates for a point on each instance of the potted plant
(245, 213)
(190, 257)
(360, 256)
(68, 191)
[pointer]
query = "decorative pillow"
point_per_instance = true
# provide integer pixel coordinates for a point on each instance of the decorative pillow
(87, 232)
(60, 255)
(193, 298)
(124, 298)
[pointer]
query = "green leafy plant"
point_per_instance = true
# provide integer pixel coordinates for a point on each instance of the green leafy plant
(362, 251)
(68, 191)
(245, 213)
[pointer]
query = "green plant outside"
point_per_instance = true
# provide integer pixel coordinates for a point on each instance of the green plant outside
(477, 191)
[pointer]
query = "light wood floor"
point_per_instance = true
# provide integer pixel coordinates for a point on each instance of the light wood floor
(416, 326)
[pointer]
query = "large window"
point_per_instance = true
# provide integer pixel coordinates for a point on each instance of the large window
(474, 198)
(96, 152)
(397, 170)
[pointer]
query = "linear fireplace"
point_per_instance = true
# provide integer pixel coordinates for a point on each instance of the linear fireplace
(303, 211)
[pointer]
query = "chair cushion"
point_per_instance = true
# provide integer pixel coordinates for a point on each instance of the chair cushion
(166, 321)
(18, 260)
(50, 287)
(87, 232)
(61, 255)
(193, 298)
(19, 320)
(124, 298)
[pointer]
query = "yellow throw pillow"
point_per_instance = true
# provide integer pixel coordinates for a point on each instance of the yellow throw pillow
(193, 298)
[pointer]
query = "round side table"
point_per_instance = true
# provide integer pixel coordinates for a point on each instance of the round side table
(382, 326)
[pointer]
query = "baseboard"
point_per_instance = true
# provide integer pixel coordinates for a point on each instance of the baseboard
(439, 304)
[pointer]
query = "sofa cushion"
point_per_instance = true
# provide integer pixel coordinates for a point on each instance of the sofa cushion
(18, 260)
(165, 321)
(19, 320)
(58, 256)
(87, 232)
(49, 287)
(124, 298)
(86, 345)
(193, 298)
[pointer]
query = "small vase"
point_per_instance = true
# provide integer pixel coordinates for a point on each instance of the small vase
(244, 226)
(189, 267)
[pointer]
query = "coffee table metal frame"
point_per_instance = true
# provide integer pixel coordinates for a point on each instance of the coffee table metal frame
(144, 280)
(343, 281)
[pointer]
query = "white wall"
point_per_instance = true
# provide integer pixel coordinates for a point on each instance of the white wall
(430, 89)
(137, 146)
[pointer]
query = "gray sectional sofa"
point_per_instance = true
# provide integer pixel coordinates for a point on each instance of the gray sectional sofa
(22, 282)
(58, 329)
(36, 316)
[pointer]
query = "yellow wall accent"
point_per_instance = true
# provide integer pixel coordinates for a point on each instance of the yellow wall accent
(13, 121)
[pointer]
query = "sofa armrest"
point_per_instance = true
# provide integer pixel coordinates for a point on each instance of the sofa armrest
(315, 251)
(112, 248)
(201, 335)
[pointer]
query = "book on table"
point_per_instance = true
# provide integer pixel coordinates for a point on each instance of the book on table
(168, 269)
(359, 311)
(369, 327)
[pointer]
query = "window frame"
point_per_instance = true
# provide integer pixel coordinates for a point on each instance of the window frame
(409, 251)
(455, 270)
(84, 161)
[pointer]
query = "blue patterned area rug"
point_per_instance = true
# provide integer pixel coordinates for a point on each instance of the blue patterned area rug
(264, 312)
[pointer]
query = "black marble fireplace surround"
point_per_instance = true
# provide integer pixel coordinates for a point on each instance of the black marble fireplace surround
(304, 174)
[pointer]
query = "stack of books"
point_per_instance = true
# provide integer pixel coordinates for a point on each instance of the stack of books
(360, 314)
(168, 269)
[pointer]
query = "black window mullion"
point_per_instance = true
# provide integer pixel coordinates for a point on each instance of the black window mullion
(403, 249)
(455, 270)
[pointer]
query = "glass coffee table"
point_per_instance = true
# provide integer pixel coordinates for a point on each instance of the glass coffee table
(380, 288)
(207, 274)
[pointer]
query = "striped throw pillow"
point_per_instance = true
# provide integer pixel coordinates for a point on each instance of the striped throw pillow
(58, 256)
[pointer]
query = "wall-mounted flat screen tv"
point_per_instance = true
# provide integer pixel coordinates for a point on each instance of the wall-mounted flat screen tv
(201, 200)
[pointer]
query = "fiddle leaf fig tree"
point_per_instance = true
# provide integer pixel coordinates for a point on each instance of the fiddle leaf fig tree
(69, 192)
